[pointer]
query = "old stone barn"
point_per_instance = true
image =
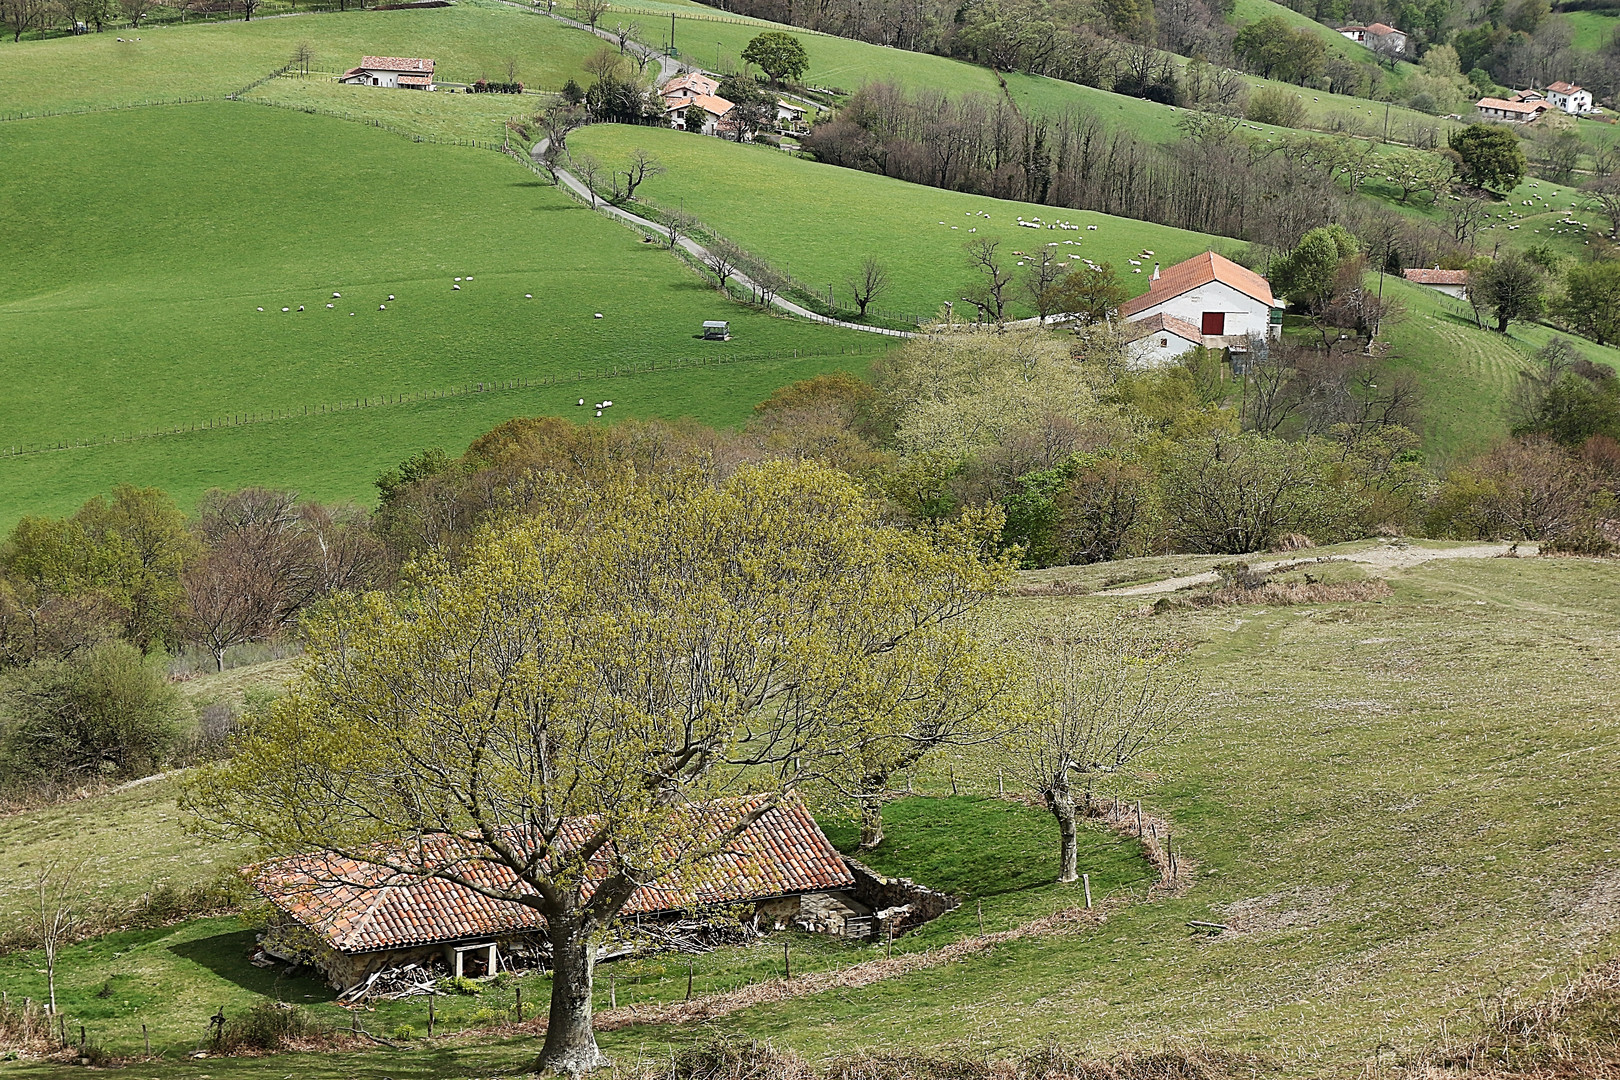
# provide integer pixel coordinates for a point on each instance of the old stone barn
(352, 919)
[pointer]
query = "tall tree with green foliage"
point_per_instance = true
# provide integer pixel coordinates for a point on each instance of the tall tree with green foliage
(1308, 276)
(564, 697)
(1489, 156)
(1590, 304)
(780, 56)
(1507, 288)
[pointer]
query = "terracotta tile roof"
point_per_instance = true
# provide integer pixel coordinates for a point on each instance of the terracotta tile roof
(1437, 276)
(715, 106)
(1521, 107)
(1563, 88)
(1381, 29)
(1161, 322)
(695, 81)
(360, 907)
(397, 63)
(1196, 271)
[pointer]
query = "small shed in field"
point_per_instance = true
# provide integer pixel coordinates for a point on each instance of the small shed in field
(715, 330)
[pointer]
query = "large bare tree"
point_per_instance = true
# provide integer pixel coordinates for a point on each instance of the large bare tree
(868, 283)
(600, 696)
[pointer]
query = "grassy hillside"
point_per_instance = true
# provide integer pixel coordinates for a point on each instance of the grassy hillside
(137, 309)
(1392, 832)
(824, 219)
(469, 40)
(1466, 373)
(1593, 29)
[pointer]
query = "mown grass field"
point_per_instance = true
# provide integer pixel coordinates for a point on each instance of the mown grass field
(472, 39)
(1401, 808)
(1466, 373)
(1593, 29)
(137, 307)
(824, 220)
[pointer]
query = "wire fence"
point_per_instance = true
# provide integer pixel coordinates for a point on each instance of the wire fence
(612, 370)
(88, 109)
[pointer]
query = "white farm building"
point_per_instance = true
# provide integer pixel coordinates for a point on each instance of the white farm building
(1207, 300)
(394, 72)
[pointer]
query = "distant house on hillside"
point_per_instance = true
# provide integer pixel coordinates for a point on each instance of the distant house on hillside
(790, 117)
(1207, 300)
(1450, 282)
(1379, 36)
(354, 919)
(395, 72)
(1512, 112)
(690, 85)
(703, 113)
(1570, 98)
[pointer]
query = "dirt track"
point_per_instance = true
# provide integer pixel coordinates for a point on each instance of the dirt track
(1384, 557)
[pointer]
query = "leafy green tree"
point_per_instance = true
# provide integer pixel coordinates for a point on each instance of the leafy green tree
(1510, 287)
(1308, 275)
(1566, 397)
(562, 699)
(1088, 293)
(1413, 171)
(780, 56)
(1274, 49)
(1590, 303)
(105, 712)
(1489, 155)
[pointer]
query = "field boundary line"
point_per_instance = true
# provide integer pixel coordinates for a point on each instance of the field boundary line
(492, 386)
(92, 109)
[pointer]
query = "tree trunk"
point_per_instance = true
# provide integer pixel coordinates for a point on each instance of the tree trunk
(570, 1043)
(1060, 800)
(871, 801)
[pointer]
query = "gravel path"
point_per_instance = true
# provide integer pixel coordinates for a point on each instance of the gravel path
(1384, 557)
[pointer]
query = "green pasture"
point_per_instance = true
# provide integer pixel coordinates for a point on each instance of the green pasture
(1593, 29)
(139, 312)
(998, 856)
(823, 220)
(472, 39)
(1401, 808)
(442, 116)
(1466, 373)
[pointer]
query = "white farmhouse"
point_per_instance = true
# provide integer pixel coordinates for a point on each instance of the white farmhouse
(1570, 98)
(1379, 36)
(1511, 112)
(1450, 282)
(394, 72)
(1207, 300)
(704, 113)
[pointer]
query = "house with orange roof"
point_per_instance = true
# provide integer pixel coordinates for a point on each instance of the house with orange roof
(1569, 97)
(353, 917)
(1511, 112)
(394, 72)
(703, 113)
(1450, 282)
(1209, 300)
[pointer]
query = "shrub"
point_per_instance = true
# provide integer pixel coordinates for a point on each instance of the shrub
(1274, 105)
(487, 1014)
(268, 1025)
(457, 984)
(404, 1033)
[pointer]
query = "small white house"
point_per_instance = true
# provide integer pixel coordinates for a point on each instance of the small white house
(1450, 282)
(704, 113)
(691, 85)
(1377, 36)
(394, 72)
(1208, 300)
(1570, 98)
(790, 117)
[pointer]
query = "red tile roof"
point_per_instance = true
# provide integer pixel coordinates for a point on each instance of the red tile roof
(1522, 107)
(397, 63)
(1196, 271)
(695, 81)
(1437, 276)
(1160, 322)
(1563, 88)
(360, 907)
(1381, 29)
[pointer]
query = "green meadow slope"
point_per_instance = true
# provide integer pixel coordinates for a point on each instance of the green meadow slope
(469, 40)
(137, 308)
(1401, 808)
(823, 220)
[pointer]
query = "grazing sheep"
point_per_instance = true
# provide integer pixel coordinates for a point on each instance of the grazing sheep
(337, 296)
(330, 306)
(598, 315)
(582, 401)
(528, 296)
(390, 296)
(261, 309)
(456, 287)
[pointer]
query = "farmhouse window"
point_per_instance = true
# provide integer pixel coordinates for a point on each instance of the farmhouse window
(1164, 343)
(1214, 323)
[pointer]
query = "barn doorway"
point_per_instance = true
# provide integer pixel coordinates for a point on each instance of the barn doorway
(1214, 323)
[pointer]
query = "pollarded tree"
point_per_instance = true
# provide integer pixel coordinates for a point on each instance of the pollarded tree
(1508, 288)
(780, 56)
(868, 283)
(559, 701)
(1103, 698)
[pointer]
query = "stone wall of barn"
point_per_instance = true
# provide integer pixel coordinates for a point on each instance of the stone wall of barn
(900, 901)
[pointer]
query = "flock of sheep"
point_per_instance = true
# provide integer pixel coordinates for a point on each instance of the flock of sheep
(455, 286)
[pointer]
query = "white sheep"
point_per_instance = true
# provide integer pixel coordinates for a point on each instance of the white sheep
(390, 296)
(330, 306)
(261, 309)
(598, 315)
(456, 287)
